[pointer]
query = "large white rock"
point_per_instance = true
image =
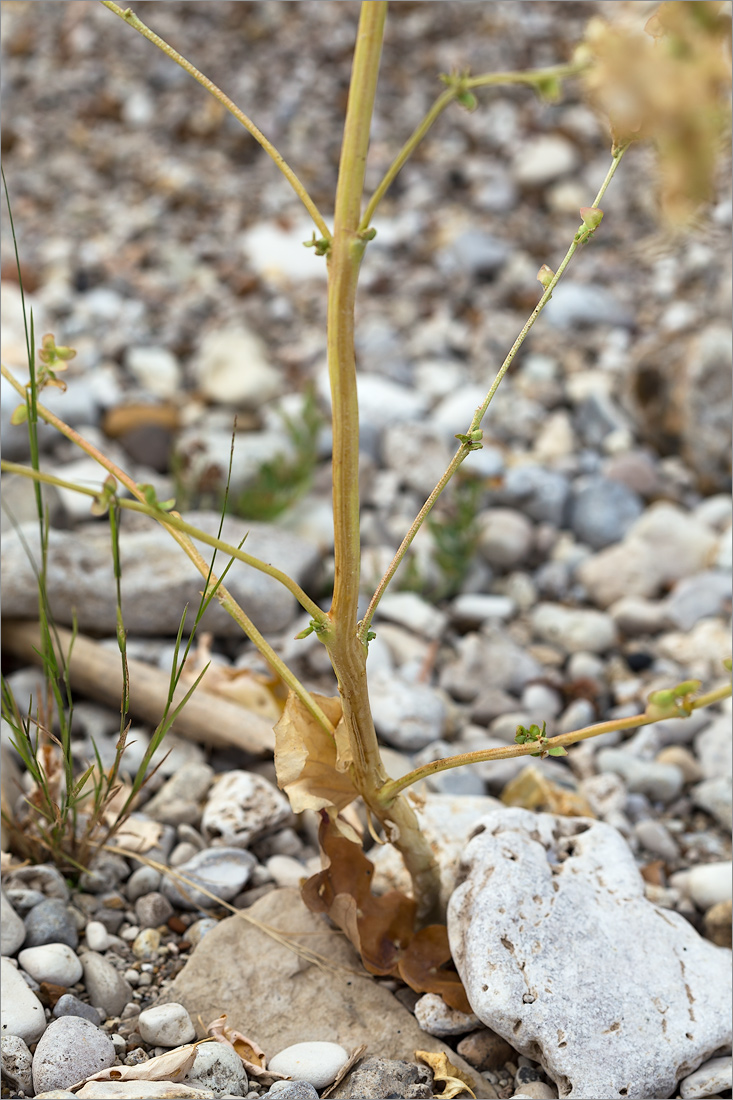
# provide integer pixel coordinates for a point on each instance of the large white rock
(22, 1012)
(563, 956)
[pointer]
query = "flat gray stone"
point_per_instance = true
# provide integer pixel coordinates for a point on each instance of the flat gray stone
(223, 872)
(106, 987)
(283, 999)
(158, 580)
(562, 955)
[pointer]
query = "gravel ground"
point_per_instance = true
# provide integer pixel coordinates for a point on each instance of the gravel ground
(158, 240)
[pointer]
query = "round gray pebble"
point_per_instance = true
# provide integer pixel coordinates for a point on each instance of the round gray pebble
(70, 1050)
(69, 1005)
(153, 909)
(50, 921)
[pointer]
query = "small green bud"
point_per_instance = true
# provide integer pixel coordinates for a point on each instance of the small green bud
(367, 234)
(557, 750)
(545, 275)
(549, 89)
(467, 100)
(592, 217)
(20, 415)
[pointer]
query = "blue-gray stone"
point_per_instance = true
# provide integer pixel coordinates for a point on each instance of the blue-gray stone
(50, 922)
(541, 494)
(291, 1090)
(69, 1005)
(586, 304)
(602, 511)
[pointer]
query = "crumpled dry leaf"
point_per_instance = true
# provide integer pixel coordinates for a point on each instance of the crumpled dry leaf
(253, 1057)
(354, 1057)
(239, 685)
(532, 790)
(456, 1082)
(311, 764)
(171, 1066)
(422, 965)
(382, 929)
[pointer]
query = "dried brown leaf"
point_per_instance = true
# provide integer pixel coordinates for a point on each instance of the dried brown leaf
(455, 1081)
(309, 768)
(354, 1057)
(239, 685)
(423, 966)
(532, 790)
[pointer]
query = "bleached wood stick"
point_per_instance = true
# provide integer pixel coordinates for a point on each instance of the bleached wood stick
(96, 671)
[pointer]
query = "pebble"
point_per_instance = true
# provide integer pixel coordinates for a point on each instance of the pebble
(576, 304)
(698, 597)
(12, 928)
(146, 944)
(51, 921)
(97, 937)
(241, 807)
(634, 615)
(22, 1012)
(317, 1063)
(106, 871)
(196, 931)
(435, 1017)
(17, 1064)
(536, 1090)
(218, 1067)
(573, 629)
(178, 799)
(153, 909)
(660, 782)
(656, 838)
(710, 1078)
(143, 880)
(156, 369)
(718, 921)
(473, 609)
(223, 872)
(683, 759)
(602, 511)
(505, 537)
(232, 367)
(714, 748)
(540, 493)
(51, 962)
(292, 1090)
(70, 1050)
(707, 884)
(69, 1005)
(285, 870)
(408, 716)
(543, 159)
(167, 1025)
(414, 613)
(714, 796)
(473, 252)
(485, 1050)
(105, 985)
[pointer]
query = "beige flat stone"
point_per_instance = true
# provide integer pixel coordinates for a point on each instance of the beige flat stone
(277, 998)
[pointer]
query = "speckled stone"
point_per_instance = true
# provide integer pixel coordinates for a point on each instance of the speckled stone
(70, 1050)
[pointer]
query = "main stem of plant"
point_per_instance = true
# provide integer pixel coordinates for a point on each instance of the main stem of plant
(346, 650)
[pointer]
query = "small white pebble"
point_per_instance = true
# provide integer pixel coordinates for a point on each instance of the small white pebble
(97, 936)
(317, 1063)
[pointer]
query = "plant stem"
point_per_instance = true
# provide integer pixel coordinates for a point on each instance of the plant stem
(129, 17)
(345, 648)
(226, 600)
(457, 87)
(395, 786)
(580, 237)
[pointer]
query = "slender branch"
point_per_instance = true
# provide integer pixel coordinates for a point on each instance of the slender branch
(580, 237)
(458, 87)
(129, 17)
(391, 789)
(175, 520)
(226, 600)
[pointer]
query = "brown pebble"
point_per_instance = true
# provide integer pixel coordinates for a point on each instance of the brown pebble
(683, 759)
(717, 923)
(485, 1050)
(177, 925)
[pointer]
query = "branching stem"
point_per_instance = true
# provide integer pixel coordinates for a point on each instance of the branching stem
(580, 237)
(395, 786)
(129, 17)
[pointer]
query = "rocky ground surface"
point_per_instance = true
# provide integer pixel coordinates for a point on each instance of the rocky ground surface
(158, 241)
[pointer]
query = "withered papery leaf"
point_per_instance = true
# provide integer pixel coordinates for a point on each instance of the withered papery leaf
(253, 1056)
(307, 762)
(443, 1070)
(421, 966)
(171, 1066)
